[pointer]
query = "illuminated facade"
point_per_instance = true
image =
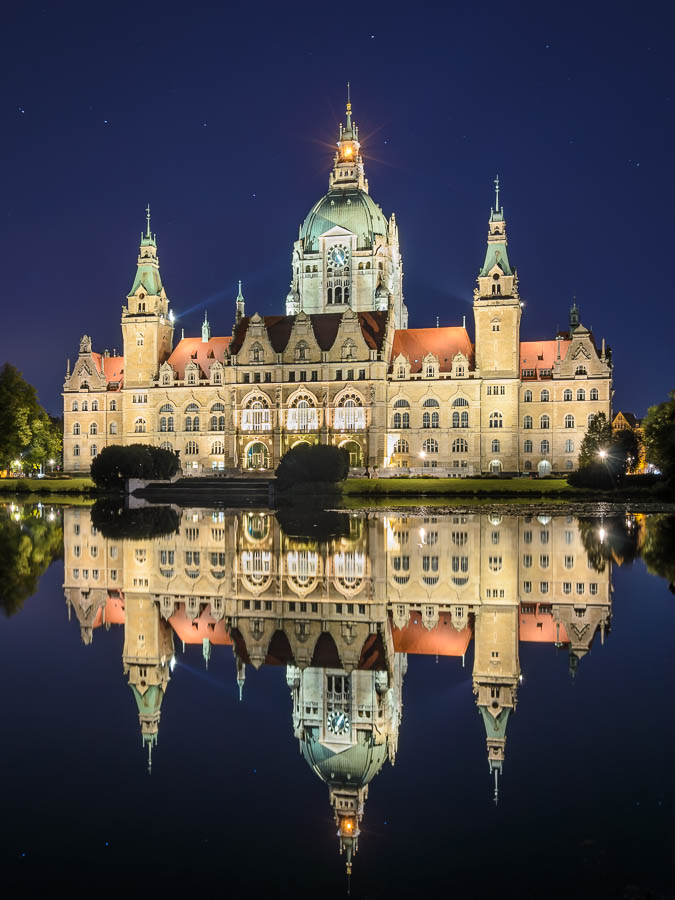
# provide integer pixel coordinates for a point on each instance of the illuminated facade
(342, 367)
(342, 616)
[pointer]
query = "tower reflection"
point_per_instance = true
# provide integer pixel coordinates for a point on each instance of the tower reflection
(342, 612)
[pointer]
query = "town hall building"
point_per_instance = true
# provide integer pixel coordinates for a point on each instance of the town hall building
(341, 366)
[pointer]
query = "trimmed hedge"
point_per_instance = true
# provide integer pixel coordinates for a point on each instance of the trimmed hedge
(320, 463)
(115, 464)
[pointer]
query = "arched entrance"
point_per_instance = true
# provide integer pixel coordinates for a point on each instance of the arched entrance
(544, 468)
(495, 467)
(355, 453)
(300, 444)
(257, 456)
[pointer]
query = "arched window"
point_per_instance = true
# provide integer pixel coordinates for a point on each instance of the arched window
(113, 405)
(76, 428)
(527, 447)
(460, 401)
(93, 450)
(85, 406)
(459, 445)
(545, 396)
(191, 448)
(569, 421)
(431, 402)
(527, 422)
(350, 414)
(496, 448)
(218, 407)
(580, 370)
(581, 394)
(567, 395)
(527, 396)
(397, 420)
(401, 446)
(256, 414)
(594, 394)
(464, 417)
(569, 446)
(304, 415)
(545, 422)
(74, 406)
(430, 445)
(497, 420)
(165, 445)
(545, 447)
(401, 403)
(93, 428)
(191, 408)
(406, 420)
(528, 464)
(76, 450)
(167, 408)
(217, 448)
(140, 426)
(139, 340)
(94, 405)
(338, 297)
(113, 428)
(426, 420)
(590, 419)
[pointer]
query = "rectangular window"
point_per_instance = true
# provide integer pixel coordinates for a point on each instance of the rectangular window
(291, 376)
(256, 377)
(315, 375)
(350, 374)
(338, 375)
(268, 377)
(527, 560)
(303, 375)
(362, 374)
(543, 587)
(247, 378)
(593, 587)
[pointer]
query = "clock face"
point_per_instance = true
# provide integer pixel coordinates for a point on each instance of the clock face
(337, 722)
(338, 256)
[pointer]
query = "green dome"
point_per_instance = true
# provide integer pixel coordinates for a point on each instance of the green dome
(354, 767)
(351, 208)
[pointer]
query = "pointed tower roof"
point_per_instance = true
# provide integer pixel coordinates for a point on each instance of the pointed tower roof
(147, 272)
(496, 254)
(206, 330)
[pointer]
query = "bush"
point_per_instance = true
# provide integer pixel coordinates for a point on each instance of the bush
(596, 476)
(304, 464)
(115, 522)
(115, 464)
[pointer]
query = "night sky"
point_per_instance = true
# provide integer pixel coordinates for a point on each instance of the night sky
(224, 119)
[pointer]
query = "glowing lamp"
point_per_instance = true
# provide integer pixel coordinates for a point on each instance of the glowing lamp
(602, 454)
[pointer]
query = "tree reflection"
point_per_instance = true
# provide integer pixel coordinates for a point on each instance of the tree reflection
(658, 548)
(31, 539)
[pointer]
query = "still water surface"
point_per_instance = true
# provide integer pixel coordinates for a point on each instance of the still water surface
(215, 701)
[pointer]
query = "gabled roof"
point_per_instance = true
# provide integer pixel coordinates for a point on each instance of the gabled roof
(111, 367)
(539, 355)
(415, 343)
(443, 640)
(630, 417)
(201, 352)
(325, 327)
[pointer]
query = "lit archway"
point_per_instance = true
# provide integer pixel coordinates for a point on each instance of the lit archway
(257, 456)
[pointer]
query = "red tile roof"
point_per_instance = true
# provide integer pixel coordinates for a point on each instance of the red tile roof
(541, 354)
(443, 640)
(111, 367)
(193, 631)
(324, 325)
(540, 628)
(445, 342)
(195, 350)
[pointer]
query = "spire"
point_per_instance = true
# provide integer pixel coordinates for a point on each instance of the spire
(240, 313)
(496, 253)
(574, 314)
(497, 193)
(147, 273)
(206, 330)
(206, 651)
(348, 165)
(241, 677)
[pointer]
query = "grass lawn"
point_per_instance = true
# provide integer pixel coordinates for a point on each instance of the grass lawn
(45, 485)
(459, 486)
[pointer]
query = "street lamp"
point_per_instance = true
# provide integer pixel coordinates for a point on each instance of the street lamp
(602, 454)
(51, 465)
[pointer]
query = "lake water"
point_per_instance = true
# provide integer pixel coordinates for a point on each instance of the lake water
(213, 701)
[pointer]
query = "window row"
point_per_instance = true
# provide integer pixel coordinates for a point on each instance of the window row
(83, 406)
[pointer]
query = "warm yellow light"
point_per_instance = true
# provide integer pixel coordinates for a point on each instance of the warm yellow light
(348, 151)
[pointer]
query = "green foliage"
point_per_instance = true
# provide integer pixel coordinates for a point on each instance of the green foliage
(659, 428)
(26, 431)
(304, 464)
(597, 475)
(598, 437)
(114, 521)
(115, 464)
(658, 548)
(28, 548)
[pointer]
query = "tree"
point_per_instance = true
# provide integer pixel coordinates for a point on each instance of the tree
(626, 446)
(19, 414)
(320, 463)
(115, 464)
(598, 437)
(659, 428)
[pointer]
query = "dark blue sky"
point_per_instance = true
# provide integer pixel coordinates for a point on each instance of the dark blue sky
(223, 118)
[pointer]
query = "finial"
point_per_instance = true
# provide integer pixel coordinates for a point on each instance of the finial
(496, 795)
(147, 219)
(150, 757)
(497, 193)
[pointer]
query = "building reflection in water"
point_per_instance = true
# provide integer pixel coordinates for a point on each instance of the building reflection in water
(342, 615)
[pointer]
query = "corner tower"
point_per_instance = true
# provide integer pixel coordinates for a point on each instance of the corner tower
(147, 324)
(496, 304)
(347, 253)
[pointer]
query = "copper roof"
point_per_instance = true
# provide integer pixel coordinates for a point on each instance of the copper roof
(444, 343)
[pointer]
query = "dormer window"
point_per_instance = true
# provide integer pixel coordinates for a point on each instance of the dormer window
(496, 325)
(139, 340)
(400, 372)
